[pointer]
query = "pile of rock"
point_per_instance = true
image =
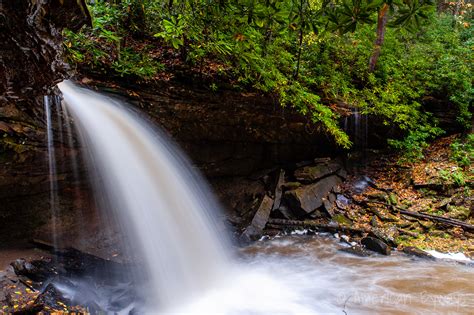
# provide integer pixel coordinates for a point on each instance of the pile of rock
(311, 190)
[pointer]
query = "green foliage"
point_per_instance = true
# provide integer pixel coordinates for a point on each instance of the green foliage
(462, 152)
(415, 142)
(103, 46)
(309, 53)
(455, 177)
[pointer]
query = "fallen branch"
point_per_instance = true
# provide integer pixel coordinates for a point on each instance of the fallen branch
(447, 221)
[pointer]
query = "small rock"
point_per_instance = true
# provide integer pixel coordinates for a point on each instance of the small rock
(376, 245)
(443, 203)
(342, 201)
(377, 196)
(374, 222)
(426, 224)
(356, 250)
(387, 234)
(51, 297)
(328, 206)
(413, 251)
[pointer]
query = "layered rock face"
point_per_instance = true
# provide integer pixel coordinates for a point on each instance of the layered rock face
(30, 65)
(31, 50)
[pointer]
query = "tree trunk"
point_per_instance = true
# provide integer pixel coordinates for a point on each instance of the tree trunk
(381, 27)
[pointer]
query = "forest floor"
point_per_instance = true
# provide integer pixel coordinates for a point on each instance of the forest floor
(435, 186)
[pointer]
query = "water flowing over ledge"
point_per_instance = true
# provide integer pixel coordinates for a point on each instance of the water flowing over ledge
(161, 205)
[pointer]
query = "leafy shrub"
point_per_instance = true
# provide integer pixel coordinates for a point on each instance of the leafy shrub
(297, 50)
(412, 146)
(462, 152)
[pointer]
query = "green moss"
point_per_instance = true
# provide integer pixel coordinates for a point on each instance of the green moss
(342, 220)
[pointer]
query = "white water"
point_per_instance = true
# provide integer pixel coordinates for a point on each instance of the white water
(452, 256)
(165, 214)
(163, 208)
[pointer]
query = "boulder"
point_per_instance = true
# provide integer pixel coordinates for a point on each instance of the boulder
(309, 174)
(306, 199)
(255, 229)
(376, 245)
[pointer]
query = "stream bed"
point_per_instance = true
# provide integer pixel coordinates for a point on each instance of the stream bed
(323, 279)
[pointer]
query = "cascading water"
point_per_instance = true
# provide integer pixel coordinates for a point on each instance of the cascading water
(53, 198)
(356, 125)
(162, 207)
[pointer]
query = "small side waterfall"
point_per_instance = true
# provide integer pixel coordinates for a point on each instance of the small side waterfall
(356, 125)
(53, 198)
(160, 203)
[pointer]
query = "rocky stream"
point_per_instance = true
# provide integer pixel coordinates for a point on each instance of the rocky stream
(313, 229)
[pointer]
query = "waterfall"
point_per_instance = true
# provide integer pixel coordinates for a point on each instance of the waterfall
(53, 197)
(164, 208)
(356, 125)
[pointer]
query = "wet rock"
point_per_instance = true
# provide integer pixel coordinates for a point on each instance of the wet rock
(342, 220)
(309, 174)
(306, 199)
(356, 250)
(376, 245)
(362, 184)
(31, 37)
(387, 234)
(283, 212)
(342, 201)
(51, 297)
(328, 206)
(279, 190)
(255, 229)
(413, 251)
(38, 270)
(342, 173)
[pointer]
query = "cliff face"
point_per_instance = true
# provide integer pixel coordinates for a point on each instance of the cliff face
(30, 65)
(31, 44)
(226, 135)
